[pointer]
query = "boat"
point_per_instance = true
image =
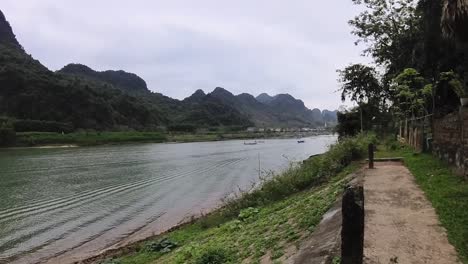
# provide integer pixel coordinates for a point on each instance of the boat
(250, 143)
(301, 141)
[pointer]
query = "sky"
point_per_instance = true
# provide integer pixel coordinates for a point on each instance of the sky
(179, 46)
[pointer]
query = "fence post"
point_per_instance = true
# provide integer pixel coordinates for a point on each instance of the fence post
(352, 232)
(371, 156)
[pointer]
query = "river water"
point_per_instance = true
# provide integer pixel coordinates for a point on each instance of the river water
(62, 204)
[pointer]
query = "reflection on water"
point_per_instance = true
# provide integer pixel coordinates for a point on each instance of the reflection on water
(82, 200)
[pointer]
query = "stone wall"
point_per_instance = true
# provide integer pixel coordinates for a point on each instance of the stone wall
(450, 139)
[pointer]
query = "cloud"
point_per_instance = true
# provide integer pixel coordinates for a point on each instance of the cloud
(180, 46)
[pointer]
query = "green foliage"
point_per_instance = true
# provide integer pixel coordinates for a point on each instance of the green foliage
(404, 34)
(451, 80)
(163, 246)
(336, 260)
(182, 128)
(7, 133)
(42, 126)
(390, 29)
(349, 123)
(248, 213)
(412, 93)
(361, 84)
(213, 256)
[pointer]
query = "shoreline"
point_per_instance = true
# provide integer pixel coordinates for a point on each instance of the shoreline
(133, 242)
(169, 139)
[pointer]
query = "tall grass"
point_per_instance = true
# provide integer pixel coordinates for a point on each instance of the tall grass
(312, 172)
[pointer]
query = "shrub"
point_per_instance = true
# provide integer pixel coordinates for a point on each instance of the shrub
(163, 246)
(7, 134)
(213, 256)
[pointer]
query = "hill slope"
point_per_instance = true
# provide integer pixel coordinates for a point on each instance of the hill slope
(81, 97)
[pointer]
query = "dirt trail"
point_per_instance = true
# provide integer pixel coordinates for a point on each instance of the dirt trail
(401, 224)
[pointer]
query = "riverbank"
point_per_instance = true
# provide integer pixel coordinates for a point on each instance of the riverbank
(447, 192)
(37, 139)
(264, 225)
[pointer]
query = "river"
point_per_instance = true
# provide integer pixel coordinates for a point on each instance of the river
(62, 204)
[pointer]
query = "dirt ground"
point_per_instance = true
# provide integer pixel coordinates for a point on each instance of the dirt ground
(401, 225)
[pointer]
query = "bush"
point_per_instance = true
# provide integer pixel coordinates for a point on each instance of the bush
(163, 246)
(213, 256)
(7, 134)
(392, 144)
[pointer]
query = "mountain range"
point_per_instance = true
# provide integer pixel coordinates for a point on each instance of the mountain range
(108, 100)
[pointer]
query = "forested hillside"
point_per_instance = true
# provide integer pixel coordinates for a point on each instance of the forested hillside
(78, 97)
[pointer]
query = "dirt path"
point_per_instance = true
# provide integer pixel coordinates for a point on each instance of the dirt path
(401, 225)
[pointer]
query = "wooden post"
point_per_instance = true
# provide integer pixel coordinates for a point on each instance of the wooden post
(371, 156)
(352, 232)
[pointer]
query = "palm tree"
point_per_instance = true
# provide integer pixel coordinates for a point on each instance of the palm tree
(455, 19)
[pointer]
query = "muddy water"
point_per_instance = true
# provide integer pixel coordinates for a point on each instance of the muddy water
(63, 204)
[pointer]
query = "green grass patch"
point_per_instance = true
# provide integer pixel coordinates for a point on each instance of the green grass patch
(447, 192)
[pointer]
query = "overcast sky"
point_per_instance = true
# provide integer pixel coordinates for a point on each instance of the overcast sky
(178, 47)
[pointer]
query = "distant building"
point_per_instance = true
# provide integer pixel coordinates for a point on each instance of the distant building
(251, 129)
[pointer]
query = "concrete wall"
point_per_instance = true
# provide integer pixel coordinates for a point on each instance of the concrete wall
(450, 139)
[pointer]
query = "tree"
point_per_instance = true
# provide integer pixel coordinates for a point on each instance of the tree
(7, 133)
(455, 19)
(412, 93)
(360, 83)
(391, 31)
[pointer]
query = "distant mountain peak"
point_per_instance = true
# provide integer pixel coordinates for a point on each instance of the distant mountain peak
(220, 91)
(285, 96)
(76, 68)
(7, 37)
(199, 92)
(264, 98)
(196, 97)
(123, 80)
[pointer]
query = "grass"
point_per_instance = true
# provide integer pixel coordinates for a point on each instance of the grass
(266, 231)
(447, 192)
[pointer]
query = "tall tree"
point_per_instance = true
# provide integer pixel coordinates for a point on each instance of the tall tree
(361, 84)
(455, 19)
(412, 94)
(391, 31)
